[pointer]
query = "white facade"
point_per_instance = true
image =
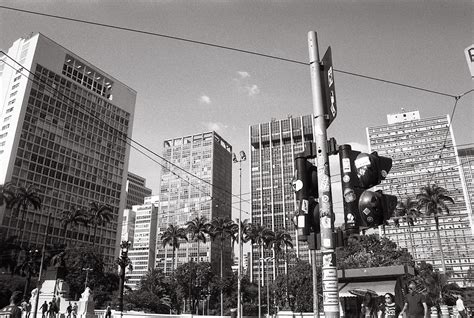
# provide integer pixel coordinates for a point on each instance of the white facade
(142, 252)
(59, 131)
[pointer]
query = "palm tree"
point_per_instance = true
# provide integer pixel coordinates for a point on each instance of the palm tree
(260, 236)
(72, 217)
(432, 199)
(29, 267)
(172, 237)
(21, 201)
(99, 214)
(198, 228)
(280, 241)
(408, 211)
(223, 229)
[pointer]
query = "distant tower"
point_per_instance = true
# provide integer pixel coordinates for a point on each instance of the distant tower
(424, 152)
(183, 196)
(136, 190)
(63, 130)
(142, 251)
(273, 148)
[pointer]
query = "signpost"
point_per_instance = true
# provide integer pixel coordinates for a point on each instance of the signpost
(329, 90)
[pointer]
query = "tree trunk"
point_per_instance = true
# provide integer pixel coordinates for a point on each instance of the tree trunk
(412, 243)
(95, 235)
(259, 283)
(443, 263)
(222, 294)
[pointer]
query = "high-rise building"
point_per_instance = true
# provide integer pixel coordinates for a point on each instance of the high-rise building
(273, 148)
(136, 190)
(142, 251)
(466, 155)
(63, 129)
(196, 181)
(128, 225)
(423, 151)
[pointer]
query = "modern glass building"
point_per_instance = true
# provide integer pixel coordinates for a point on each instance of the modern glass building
(63, 130)
(136, 190)
(424, 152)
(142, 251)
(273, 147)
(196, 181)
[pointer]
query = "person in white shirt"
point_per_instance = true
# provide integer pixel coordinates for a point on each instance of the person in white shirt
(460, 307)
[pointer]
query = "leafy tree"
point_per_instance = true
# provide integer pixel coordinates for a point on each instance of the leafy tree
(29, 267)
(432, 199)
(222, 229)
(7, 194)
(9, 284)
(99, 214)
(192, 279)
(198, 228)
(152, 294)
(370, 251)
(172, 237)
(8, 259)
(24, 198)
(407, 210)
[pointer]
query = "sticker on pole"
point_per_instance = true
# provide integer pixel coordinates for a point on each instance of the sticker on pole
(346, 165)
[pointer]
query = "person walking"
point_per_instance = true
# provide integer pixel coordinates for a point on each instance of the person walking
(415, 304)
(460, 307)
(44, 309)
(69, 310)
(368, 307)
(12, 310)
(389, 309)
(108, 312)
(74, 310)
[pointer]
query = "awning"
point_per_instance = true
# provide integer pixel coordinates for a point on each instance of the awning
(381, 287)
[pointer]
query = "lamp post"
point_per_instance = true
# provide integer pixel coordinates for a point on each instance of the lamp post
(123, 261)
(266, 260)
(243, 157)
(87, 275)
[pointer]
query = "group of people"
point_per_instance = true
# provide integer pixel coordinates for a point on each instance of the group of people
(415, 306)
(19, 309)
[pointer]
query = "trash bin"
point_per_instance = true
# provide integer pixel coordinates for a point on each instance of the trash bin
(233, 313)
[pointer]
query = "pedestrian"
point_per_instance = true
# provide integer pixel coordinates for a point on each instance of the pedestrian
(28, 309)
(74, 310)
(389, 309)
(415, 303)
(44, 309)
(368, 307)
(51, 310)
(108, 312)
(12, 310)
(69, 310)
(460, 307)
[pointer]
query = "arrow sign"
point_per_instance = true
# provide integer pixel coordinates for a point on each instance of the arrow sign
(329, 91)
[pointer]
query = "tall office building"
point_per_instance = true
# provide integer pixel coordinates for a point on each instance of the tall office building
(62, 130)
(466, 155)
(196, 182)
(142, 251)
(273, 148)
(424, 152)
(136, 190)
(128, 225)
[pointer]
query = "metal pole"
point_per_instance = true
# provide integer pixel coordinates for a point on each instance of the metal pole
(259, 287)
(315, 285)
(38, 284)
(268, 290)
(329, 270)
(239, 271)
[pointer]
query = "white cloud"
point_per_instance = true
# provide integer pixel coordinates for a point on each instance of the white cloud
(243, 74)
(204, 99)
(215, 126)
(252, 90)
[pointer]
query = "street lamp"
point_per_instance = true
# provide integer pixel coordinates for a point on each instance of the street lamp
(243, 157)
(266, 260)
(87, 275)
(123, 262)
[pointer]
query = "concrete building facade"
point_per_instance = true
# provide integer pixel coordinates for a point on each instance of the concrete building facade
(273, 146)
(424, 152)
(63, 129)
(136, 190)
(143, 249)
(196, 181)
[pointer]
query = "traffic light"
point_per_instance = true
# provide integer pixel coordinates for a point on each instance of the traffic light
(305, 185)
(360, 172)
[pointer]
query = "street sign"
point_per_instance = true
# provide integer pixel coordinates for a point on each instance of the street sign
(469, 52)
(329, 90)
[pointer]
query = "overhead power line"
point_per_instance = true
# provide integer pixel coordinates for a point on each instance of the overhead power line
(218, 46)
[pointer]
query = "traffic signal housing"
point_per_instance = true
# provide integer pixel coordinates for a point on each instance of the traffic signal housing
(359, 173)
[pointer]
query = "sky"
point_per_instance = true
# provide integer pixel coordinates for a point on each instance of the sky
(186, 88)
